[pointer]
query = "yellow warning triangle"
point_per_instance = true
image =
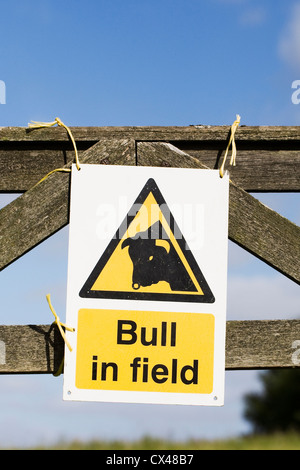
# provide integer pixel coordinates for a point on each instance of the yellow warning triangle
(148, 258)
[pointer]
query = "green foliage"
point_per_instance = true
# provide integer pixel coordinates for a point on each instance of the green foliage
(277, 408)
(289, 441)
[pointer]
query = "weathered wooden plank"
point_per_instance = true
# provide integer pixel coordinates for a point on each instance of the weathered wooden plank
(264, 233)
(252, 225)
(152, 133)
(23, 168)
(37, 349)
(257, 169)
(44, 209)
(260, 344)
(268, 157)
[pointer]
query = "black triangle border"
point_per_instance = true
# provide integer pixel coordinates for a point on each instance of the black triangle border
(206, 297)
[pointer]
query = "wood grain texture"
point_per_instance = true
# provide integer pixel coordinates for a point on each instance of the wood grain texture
(37, 349)
(22, 168)
(268, 157)
(152, 133)
(44, 209)
(262, 344)
(259, 168)
(249, 345)
(252, 225)
(264, 233)
(268, 160)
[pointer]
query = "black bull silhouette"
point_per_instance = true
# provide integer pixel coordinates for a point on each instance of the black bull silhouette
(155, 259)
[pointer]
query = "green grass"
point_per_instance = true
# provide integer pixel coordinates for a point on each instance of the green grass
(289, 441)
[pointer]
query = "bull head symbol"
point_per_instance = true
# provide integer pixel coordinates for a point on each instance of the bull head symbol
(155, 259)
(148, 257)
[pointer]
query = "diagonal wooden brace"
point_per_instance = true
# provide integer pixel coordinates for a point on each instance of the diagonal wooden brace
(252, 225)
(44, 209)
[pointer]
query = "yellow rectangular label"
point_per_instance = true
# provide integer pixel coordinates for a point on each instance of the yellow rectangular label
(130, 350)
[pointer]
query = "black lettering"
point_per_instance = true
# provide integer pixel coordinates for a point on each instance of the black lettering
(164, 333)
(145, 370)
(94, 368)
(114, 366)
(159, 369)
(153, 340)
(130, 332)
(174, 371)
(194, 369)
(135, 364)
(173, 334)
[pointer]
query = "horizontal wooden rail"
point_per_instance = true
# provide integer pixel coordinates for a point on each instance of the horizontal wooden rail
(268, 157)
(163, 133)
(39, 349)
(44, 209)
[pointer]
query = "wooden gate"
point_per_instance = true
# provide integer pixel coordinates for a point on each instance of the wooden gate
(268, 160)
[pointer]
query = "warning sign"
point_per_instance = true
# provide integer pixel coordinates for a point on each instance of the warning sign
(148, 258)
(145, 351)
(147, 282)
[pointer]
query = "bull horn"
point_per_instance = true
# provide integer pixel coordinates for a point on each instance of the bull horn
(126, 242)
(164, 243)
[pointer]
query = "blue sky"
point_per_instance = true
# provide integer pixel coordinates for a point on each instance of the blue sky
(146, 63)
(115, 63)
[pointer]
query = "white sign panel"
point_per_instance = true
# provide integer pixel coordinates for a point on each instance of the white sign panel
(147, 282)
